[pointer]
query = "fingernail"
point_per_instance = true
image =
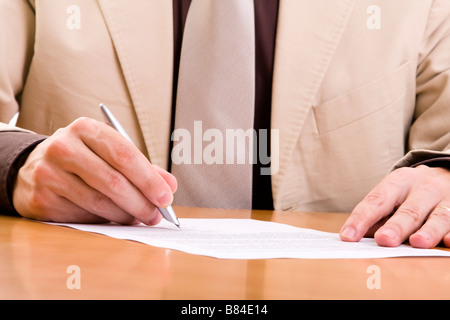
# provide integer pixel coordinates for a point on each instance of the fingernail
(424, 235)
(348, 233)
(165, 199)
(389, 233)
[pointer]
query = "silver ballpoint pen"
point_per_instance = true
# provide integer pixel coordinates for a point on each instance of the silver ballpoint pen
(168, 213)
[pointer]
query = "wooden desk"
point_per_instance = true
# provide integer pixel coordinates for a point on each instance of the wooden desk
(34, 259)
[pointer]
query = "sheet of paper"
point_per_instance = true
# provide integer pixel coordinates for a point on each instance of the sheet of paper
(252, 239)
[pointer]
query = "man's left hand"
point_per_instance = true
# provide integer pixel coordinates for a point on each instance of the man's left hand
(408, 204)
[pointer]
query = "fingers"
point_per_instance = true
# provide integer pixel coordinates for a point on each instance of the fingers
(377, 205)
(103, 190)
(75, 190)
(168, 177)
(94, 174)
(41, 203)
(447, 240)
(125, 158)
(408, 204)
(436, 228)
(59, 212)
(408, 217)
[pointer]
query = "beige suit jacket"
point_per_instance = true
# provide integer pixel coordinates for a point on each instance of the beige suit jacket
(360, 86)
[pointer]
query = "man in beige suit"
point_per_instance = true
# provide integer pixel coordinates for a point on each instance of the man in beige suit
(360, 88)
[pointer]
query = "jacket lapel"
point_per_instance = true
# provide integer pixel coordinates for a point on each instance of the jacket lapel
(308, 33)
(142, 33)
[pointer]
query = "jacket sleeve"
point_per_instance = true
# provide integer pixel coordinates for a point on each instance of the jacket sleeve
(15, 147)
(16, 51)
(429, 136)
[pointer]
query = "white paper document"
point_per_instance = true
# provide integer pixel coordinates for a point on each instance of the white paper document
(251, 239)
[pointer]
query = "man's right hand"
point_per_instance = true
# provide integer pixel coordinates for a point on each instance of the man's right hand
(88, 173)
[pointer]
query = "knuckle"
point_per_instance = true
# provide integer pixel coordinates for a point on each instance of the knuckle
(82, 124)
(430, 184)
(423, 167)
(123, 156)
(100, 204)
(411, 213)
(375, 199)
(116, 181)
(38, 203)
(59, 148)
(403, 173)
(41, 173)
(103, 206)
(433, 178)
(442, 215)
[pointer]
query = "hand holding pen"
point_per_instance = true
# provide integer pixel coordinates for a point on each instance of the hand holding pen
(167, 212)
(88, 173)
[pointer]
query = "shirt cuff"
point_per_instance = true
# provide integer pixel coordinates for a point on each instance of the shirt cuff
(442, 162)
(421, 156)
(16, 147)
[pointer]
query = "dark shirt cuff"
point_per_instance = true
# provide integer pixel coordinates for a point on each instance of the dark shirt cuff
(442, 162)
(15, 148)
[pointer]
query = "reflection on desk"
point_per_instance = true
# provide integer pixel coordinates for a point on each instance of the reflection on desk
(39, 261)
